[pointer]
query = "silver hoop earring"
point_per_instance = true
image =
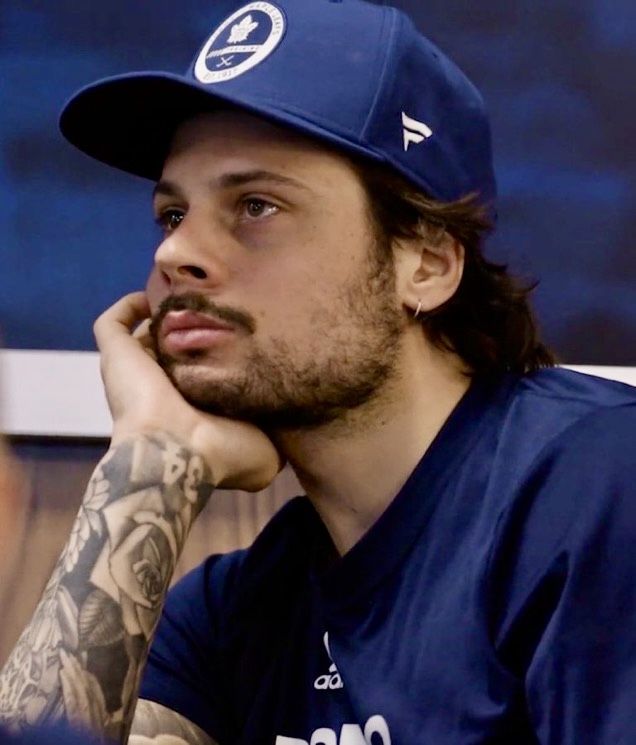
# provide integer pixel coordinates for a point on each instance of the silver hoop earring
(418, 312)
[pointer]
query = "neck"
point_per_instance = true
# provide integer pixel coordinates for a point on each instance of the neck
(352, 469)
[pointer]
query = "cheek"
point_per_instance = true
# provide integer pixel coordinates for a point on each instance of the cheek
(156, 289)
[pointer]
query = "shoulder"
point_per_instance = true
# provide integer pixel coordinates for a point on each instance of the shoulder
(540, 411)
(570, 520)
(564, 457)
(584, 426)
(590, 468)
(575, 433)
(556, 398)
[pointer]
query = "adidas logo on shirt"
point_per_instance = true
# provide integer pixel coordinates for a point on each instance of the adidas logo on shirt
(332, 681)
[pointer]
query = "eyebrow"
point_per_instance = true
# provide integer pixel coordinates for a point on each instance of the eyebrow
(232, 181)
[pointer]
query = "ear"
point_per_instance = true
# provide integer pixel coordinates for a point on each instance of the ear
(428, 272)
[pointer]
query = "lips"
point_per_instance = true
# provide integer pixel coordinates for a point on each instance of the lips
(184, 320)
(187, 331)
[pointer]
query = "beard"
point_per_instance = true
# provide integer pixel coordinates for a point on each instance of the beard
(351, 355)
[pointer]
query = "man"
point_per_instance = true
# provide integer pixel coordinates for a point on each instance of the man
(462, 570)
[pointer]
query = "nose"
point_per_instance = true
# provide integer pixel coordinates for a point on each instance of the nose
(189, 260)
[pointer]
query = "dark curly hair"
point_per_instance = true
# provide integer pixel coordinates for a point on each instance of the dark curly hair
(488, 322)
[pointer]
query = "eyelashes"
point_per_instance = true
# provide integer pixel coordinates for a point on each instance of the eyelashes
(255, 207)
(249, 209)
(169, 219)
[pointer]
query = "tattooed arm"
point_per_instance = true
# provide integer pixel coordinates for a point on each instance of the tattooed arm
(81, 657)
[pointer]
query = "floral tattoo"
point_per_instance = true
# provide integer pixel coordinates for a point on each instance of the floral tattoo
(82, 655)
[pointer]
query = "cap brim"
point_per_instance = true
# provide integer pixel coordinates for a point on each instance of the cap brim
(128, 121)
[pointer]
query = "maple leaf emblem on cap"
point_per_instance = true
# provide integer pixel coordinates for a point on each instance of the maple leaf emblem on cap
(242, 30)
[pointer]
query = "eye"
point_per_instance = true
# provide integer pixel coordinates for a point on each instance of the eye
(254, 208)
(169, 219)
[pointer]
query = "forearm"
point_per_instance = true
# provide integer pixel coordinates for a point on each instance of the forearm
(82, 655)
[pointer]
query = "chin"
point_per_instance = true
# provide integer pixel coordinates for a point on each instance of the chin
(200, 377)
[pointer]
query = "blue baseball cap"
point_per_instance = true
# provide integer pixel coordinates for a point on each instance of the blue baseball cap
(352, 74)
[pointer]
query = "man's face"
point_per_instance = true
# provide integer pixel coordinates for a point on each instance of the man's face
(272, 300)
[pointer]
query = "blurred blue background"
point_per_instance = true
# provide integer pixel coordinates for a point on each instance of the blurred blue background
(559, 78)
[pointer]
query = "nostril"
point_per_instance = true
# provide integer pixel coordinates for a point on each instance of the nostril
(194, 271)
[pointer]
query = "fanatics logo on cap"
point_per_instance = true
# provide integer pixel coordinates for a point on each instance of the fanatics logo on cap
(240, 43)
(414, 132)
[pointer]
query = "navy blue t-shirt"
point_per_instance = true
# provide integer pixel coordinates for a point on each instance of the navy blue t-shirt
(493, 602)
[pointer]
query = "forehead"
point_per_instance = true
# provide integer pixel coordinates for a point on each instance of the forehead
(218, 137)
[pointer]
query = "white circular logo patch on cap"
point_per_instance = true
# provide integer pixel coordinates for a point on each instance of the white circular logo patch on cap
(240, 43)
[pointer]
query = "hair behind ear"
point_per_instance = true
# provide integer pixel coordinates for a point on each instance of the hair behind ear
(488, 322)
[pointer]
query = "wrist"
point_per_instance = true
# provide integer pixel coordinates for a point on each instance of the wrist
(159, 459)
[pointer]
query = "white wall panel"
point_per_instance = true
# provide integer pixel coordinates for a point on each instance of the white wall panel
(60, 394)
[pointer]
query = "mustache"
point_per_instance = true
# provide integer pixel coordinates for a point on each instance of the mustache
(200, 304)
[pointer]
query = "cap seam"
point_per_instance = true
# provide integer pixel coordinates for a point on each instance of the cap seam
(391, 16)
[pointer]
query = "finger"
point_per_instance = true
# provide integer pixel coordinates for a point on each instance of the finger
(142, 332)
(128, 310)
(125, 314)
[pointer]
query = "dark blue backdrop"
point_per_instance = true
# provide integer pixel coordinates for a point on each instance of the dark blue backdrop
(559, 77)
